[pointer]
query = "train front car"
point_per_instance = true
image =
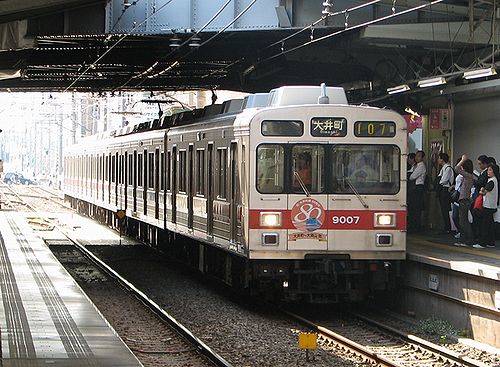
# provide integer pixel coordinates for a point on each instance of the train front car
(327, 208)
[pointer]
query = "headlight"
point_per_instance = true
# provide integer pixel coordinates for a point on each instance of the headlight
(385, 220)
(270, 219)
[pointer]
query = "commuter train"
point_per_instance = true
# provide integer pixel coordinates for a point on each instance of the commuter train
(293, 193)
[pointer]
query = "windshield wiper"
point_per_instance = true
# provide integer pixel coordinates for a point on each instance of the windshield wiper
(301, 183)
(356, 192)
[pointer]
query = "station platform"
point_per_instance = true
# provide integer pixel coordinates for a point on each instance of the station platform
(438, 250)
(45, 318)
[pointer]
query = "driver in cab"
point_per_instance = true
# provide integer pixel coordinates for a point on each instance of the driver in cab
(303, 171)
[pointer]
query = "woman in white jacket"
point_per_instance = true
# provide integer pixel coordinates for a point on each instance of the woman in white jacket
(490, 203)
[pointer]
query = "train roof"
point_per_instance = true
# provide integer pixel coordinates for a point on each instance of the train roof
(287, 96)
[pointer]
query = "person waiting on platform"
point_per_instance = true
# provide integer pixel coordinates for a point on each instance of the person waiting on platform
(303, 171)
(465, 170)
(410, 163)
(482, 162)
(416, 196)
(490, 204)
(446, 178)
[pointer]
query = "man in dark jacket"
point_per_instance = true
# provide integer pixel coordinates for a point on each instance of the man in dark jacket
(482, 162)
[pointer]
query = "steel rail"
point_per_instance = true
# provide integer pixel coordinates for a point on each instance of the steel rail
(351, 345)
(164, 315)
(367, 353)
(410, 338)
(202, 348)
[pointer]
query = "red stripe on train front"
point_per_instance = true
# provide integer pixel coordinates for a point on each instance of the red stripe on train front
(335, 219)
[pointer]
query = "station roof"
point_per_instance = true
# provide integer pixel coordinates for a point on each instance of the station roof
(67, 49)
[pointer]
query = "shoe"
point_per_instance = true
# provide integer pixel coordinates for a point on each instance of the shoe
(457, 235)
(460, 244)
(490, 246)
(477, 245)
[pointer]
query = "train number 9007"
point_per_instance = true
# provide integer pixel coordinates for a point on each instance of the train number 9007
(345, 219)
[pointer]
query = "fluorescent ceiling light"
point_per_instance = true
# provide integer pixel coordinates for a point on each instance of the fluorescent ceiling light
(430, 82)
(398, 89)
(479, 73)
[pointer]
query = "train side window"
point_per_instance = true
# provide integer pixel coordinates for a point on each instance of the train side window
(222, 177)
(182, 171)
(151, 171)
(144, 173)
(139, 169)
(169, 173)
(162, 171)
(108, 168)
(282, 128)
(270, 168)
(130, 170)
(113, 168)
(102, 168)
(200, 172)
(122, 169)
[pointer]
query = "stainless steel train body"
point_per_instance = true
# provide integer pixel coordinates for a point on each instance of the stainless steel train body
(308, 199)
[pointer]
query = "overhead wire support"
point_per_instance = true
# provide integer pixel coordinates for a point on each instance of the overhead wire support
(282, 41)
(92, 65)
(316, 22)
(374, 21)
(205, 42)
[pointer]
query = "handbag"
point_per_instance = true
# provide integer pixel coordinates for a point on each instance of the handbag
(478, 203)
(454, 196)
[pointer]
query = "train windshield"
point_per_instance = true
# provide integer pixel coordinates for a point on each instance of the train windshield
(321, 168)
(367, 169)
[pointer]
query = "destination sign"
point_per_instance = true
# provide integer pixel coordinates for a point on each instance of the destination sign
(329, 126)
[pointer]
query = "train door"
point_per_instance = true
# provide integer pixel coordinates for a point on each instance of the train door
(145, 180)
(190, 188)
(210, 189)
(174, 184)
(125, 179)
(234, 203)
(103, 178)
(108, 168)
(134, 193)
(308, 202)
(157, 183)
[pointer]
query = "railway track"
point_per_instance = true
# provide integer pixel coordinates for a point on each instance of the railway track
(193, 349)
(364, 339)
(382, 344)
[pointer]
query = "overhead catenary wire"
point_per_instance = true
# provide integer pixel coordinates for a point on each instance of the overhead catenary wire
(145, 73)
(357, 26)
(205, 42)
(92, 65)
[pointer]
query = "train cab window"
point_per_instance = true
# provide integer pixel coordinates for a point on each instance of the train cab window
(151, 171)
(222, 177)
(282, 128)
(200, 172)
(139, 169)
(365, 169)
(308, 168)
(182, 171)
(270, 168)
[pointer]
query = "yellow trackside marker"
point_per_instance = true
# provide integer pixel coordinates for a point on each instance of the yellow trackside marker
(121, 214)
(308, 341)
